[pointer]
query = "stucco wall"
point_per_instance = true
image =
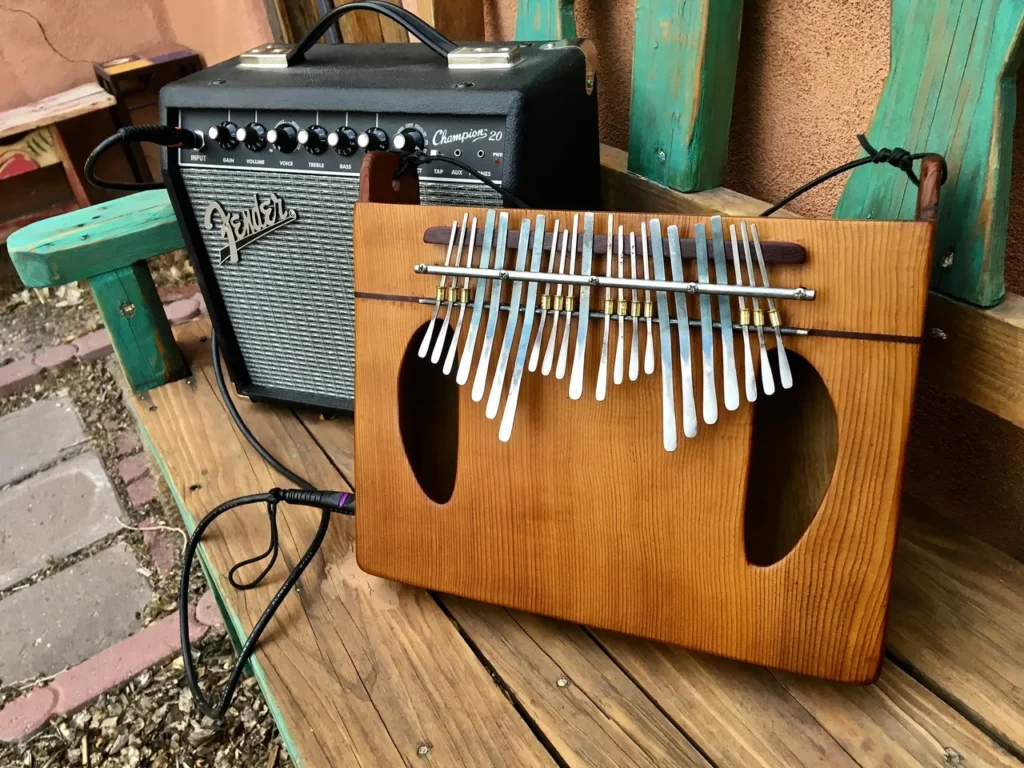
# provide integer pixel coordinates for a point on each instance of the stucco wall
(47, 46)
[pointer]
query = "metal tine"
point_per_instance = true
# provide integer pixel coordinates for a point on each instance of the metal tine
(634, 311)
(730, 389)
(443, 332)
(707, 336)
(545, 303)
(749, 377)
(425, 344)
(621, 307)
(493, 311)
(453, 348)
(563, 352)
(609, 305)
(580, 353)
(466, 363)
(767, 380)
(549, 353)
(683, 326)
(648, 306)
(494, 399)
(785, 374)
(669, 438)
(508, 417)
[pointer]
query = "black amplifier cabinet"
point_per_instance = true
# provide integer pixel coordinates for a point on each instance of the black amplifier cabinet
(266, 205)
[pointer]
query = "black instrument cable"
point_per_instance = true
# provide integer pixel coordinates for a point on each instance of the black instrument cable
(329, 502)
(898, 158)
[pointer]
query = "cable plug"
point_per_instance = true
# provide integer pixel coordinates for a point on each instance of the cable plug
(332, 501)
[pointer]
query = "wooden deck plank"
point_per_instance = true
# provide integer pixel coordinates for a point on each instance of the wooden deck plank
(895, 722)
(61, 106)
(206, 463)
(599, 717)
(742, 715)
(363, 671)
(957, 621)
(595, 715)
(739, 714)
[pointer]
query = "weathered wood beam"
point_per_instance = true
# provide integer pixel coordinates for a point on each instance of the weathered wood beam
(545, 20)
(977, 354)
(951, 89)
(684, 72)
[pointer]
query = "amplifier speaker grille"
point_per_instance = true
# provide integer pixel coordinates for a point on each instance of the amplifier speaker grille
(290, 296)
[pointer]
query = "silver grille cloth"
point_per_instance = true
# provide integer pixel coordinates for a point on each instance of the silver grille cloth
(290, 296)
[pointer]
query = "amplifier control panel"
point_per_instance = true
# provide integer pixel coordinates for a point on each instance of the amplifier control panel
(335, 142)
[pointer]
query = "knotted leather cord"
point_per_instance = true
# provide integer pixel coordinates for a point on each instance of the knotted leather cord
(898, 158)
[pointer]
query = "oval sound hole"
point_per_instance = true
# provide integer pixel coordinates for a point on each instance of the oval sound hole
(793, 456)
(428, 417)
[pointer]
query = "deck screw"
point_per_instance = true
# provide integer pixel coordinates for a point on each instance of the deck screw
(940, 334)
(948, 261)
(422, 750)
(662, 157)
(127, 309)
(562, 682)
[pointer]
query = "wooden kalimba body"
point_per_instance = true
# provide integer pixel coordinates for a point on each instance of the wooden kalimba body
(746, 518)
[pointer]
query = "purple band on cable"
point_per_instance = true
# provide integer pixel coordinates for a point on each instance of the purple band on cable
(343, 501)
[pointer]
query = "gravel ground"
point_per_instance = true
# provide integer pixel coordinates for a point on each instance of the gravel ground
(31, 319)
(151, 721)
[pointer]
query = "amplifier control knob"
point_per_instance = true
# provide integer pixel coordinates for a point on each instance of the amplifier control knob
(373, 140)
(224, 134)
(343, 141)
(284, 137)
(409, 140)
(254, 136)
(314, 139)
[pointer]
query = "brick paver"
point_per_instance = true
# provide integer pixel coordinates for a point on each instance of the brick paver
(19, 375)
(71, 615)
(37, 436)
(94, 346)
(53, 514)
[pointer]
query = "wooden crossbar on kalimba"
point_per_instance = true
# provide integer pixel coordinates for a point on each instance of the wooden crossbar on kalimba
(766, 535)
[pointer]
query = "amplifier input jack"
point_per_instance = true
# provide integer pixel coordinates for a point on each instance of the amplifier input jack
(457, 153)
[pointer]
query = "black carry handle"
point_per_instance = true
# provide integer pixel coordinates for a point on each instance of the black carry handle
(430, 37)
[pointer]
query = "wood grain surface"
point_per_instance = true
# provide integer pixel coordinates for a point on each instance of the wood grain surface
(346, 657)
(957, 622)
(353, 679)
(740, 715)
(634, 538)
(53, 109)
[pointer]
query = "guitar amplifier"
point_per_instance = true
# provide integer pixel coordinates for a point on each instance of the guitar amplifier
(266, 204)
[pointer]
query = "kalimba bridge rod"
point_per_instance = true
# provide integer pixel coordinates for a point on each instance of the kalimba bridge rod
(599, 315)
(595, 281)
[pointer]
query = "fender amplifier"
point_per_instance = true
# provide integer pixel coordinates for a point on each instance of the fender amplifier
(266, 204)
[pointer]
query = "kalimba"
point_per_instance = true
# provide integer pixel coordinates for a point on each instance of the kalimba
(682, 428)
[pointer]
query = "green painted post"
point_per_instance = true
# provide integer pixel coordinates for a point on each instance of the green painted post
(107, 245)
(684, 72)
(131, 309)
(951, 89)
(545, 20)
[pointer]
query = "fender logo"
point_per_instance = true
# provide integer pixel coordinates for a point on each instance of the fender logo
(241, 229)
